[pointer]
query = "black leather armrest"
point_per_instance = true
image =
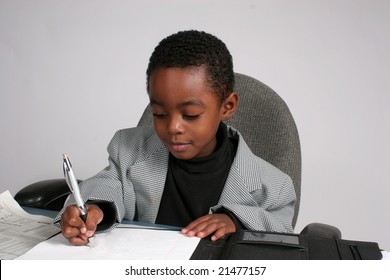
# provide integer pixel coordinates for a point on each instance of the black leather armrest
(48, 194)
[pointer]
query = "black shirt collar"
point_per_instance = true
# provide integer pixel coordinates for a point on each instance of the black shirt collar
(212, 162)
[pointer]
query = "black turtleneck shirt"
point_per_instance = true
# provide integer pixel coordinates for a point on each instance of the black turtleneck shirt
(193, 186)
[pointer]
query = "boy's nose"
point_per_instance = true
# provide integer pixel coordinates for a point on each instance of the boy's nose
(175, 125)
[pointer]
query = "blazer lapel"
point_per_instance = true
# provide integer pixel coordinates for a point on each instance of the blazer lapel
(149, 178)
(243, 177)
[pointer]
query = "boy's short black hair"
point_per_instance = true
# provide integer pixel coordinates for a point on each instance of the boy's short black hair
(196, 49)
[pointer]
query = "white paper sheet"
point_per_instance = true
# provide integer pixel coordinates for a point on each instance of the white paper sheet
(119, 244)
(20, 231)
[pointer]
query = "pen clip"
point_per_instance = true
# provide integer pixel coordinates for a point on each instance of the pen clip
(67, 168)
(73, 185)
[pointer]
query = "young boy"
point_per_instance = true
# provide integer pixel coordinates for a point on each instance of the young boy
(189, 169)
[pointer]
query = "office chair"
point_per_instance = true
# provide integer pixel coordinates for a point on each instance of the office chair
(263, 119)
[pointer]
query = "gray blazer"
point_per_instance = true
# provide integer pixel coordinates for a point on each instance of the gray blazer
(261, 196)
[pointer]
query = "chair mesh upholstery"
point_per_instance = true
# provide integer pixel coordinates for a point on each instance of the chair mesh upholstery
(268, 127)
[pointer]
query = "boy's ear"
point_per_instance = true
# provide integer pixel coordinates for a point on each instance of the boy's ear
(229, 106)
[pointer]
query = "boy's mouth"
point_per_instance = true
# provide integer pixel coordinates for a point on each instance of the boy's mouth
(178, 146)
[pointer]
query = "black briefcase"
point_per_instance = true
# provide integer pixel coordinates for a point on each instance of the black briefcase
(258, 245)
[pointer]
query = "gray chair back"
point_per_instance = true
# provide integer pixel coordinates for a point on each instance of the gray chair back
(268, 127)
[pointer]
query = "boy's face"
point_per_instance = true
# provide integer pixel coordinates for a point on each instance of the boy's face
(186, 112)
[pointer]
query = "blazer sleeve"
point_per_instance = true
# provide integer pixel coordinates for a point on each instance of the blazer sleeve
(268, 208)
(105, 187)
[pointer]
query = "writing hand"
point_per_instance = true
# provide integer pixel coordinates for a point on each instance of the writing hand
(218, 224)
(74, 229)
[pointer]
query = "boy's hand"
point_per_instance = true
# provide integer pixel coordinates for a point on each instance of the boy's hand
(219, 224)
(74, 229)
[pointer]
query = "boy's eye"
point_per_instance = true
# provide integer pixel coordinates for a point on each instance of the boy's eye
(159, 116)
(190, 117)
(185, 116)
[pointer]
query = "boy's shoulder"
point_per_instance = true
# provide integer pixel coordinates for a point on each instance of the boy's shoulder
(133, 133)
(138, 131)
(138, 141)
(250, 163)
(138, 136)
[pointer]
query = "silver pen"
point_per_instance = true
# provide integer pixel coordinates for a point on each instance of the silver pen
(74, 187)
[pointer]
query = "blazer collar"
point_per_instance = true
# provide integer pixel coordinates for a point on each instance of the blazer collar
(244, 177)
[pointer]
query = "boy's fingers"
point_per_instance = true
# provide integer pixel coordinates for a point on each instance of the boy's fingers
(209, 229)
(71, 223)
(194, 228)
(218, 234)
(73, 227)
(219, 224)
(205, 228)
(95, 216)
(196, 223)
(78, 240)
(71, 216)
(69, 232)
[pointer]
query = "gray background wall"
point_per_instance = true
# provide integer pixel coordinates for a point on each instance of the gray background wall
(72, 73)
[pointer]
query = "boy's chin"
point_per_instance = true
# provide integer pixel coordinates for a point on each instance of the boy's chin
(182, 156)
